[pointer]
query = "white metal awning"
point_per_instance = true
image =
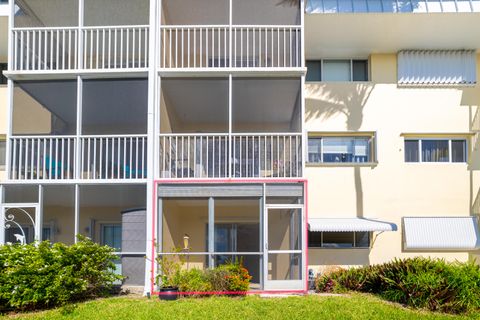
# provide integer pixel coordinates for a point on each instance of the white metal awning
(349, 225)
(441, 233)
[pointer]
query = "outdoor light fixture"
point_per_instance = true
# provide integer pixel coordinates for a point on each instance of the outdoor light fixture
(186, 240)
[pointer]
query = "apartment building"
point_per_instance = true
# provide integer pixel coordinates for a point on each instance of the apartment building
(292, 135)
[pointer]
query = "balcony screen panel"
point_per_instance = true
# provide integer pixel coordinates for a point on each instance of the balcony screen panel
(425, 67)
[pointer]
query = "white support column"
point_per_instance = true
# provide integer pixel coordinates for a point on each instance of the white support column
(264, 238)
(78, 147)
(77, 212)
(39, 215)
(260, 230)
(9, 118)
(211, 231)
(2, 215)
(302, 86)
(230, 161)
(152, 150)
(81, 20)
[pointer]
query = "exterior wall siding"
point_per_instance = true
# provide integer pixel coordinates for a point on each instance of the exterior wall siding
(391, 188)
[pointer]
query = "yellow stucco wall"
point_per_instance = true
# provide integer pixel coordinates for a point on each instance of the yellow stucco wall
(391, 189)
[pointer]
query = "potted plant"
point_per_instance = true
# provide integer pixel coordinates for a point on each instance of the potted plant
(170, 267)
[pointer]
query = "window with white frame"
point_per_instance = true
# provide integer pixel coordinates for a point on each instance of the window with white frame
(342, 149)
(337, 70)
(338, 240)
(435, 150)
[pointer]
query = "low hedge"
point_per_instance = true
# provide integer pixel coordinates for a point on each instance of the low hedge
(43, 275)
(417, 282)
(230, 277)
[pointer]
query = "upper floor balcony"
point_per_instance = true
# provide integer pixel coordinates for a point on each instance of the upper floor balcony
(50, 37)
(251, 34)
(192, 36)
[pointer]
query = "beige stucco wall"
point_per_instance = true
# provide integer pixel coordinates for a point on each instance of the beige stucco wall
(390, 189)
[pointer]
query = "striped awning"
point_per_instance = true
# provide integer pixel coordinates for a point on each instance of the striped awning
(349, 225)
(441, 233)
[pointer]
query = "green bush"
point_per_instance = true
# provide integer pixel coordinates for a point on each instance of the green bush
(194, 280)
(231, 277)
(43, 275)
(417, 282)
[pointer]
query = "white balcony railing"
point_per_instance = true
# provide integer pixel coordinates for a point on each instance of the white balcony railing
(115, 47)
(193, 156)
(114, 157)
(56, 49)
(251, 155)
(224, 47)
(181, 47)
(42, 157)
(102, 157)
(45, 48)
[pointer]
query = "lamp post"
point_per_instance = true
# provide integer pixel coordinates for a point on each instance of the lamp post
(186, 247)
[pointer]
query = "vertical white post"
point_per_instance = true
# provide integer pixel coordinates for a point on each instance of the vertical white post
(211, 231)
(77, 212)
(230, 161)
(39, 215)
(10, 91)
(81, 38)
(2, 215)
(152, 149)
(264, 238)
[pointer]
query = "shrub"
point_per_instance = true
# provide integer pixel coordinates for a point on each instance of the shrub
(237, 276)
(417, 282)
(229, 277)
(194, 280)
(43, 275)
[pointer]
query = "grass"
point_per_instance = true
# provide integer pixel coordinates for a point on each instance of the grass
(354, 306)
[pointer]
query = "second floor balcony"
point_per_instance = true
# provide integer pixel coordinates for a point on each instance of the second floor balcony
(104, 135)
(181, 156)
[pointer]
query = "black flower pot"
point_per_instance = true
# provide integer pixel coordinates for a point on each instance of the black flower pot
(168, 293)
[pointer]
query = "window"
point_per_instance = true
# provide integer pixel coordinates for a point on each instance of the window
(338, 240)
(3, 67)
(337, 70)
(112, 236)
(435, 150)
(340, 149)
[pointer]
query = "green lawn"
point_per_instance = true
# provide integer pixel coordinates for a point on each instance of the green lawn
(353, 306)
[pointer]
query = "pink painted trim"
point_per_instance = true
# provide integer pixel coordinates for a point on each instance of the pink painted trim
(220, 181)
(228, 292)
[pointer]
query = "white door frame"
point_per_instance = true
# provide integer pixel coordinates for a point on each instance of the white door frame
(283, 284)
(6, 219)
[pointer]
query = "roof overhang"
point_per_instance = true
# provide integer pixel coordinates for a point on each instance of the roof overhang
(441, 233)
(349, 225)
(357, 35)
